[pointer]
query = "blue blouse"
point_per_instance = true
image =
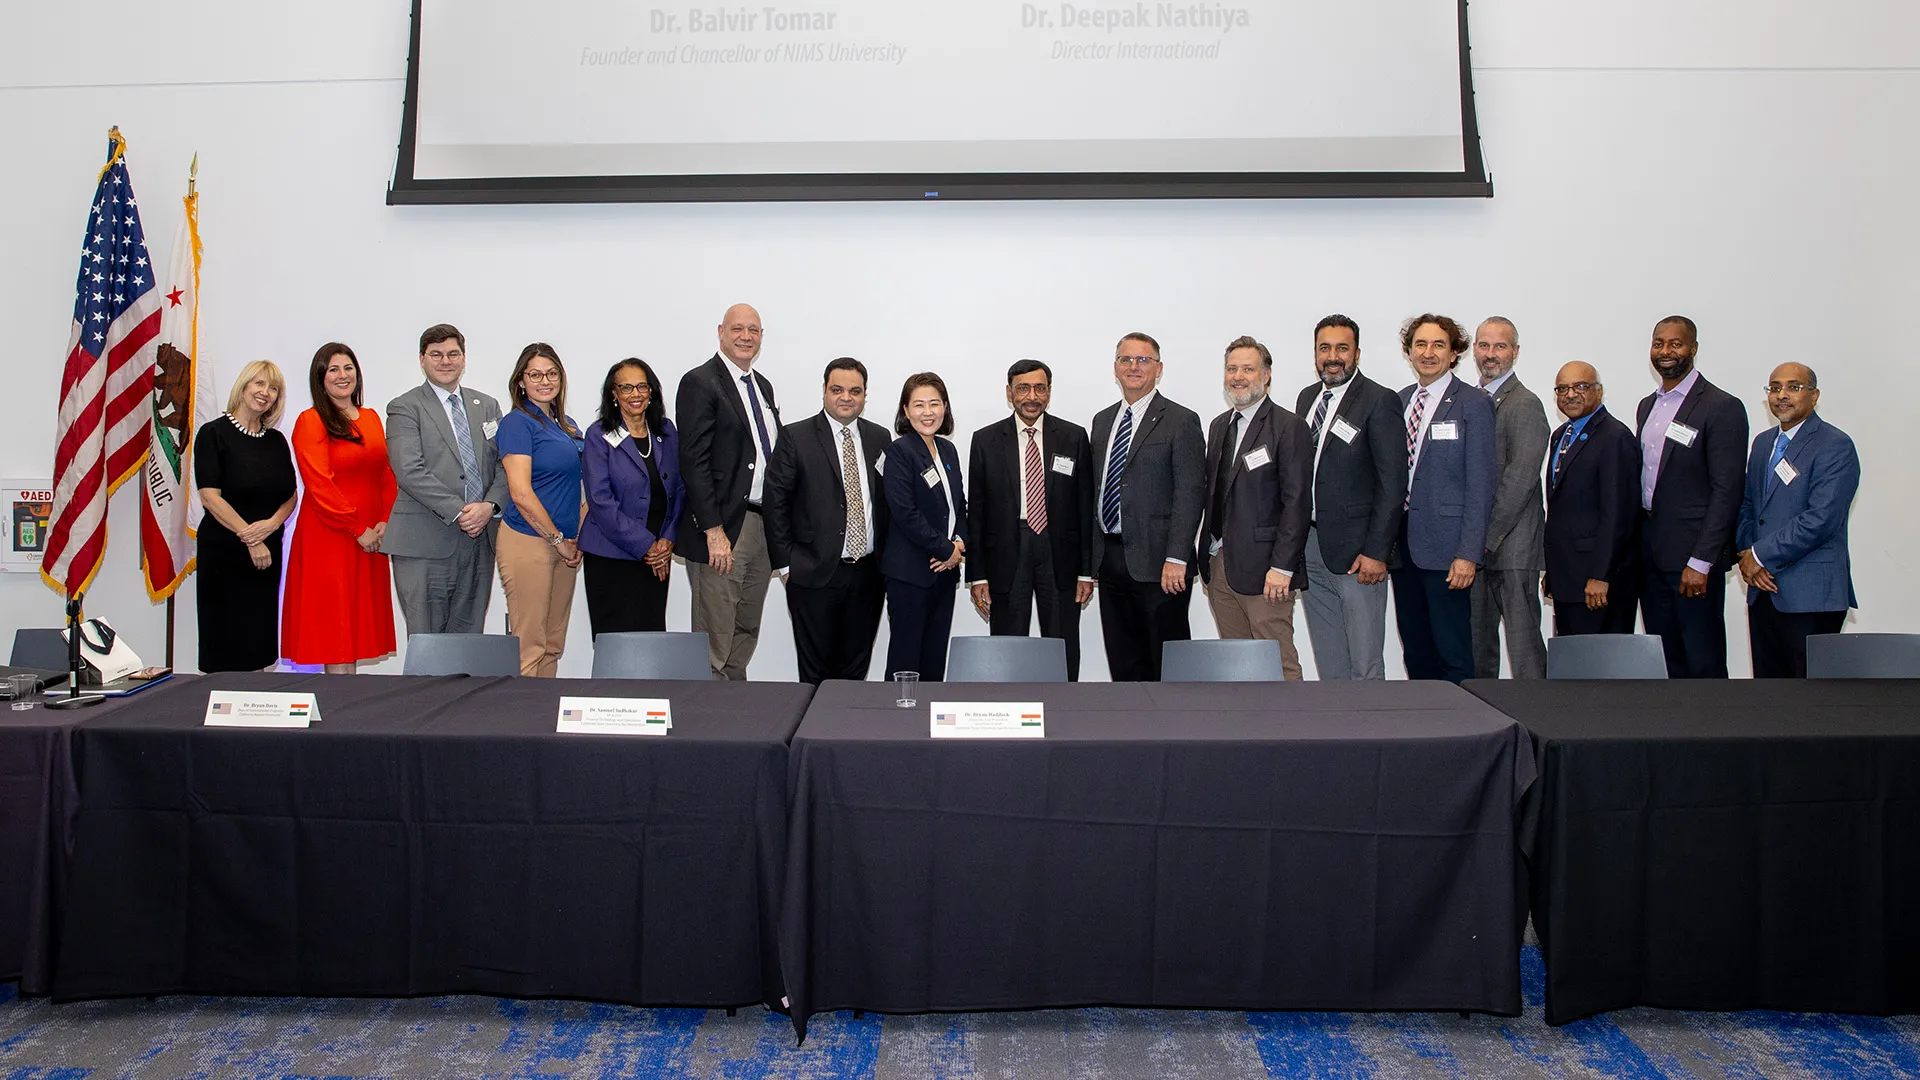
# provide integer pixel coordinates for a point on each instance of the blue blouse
(556, 469)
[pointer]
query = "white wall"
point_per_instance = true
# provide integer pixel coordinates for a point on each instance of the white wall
(1747, 162)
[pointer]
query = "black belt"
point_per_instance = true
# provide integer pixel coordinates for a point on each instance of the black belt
(850, 562)
(753, 508)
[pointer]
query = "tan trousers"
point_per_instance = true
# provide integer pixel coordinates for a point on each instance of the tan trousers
(539, 588)
(1255, 617)
(728, 606)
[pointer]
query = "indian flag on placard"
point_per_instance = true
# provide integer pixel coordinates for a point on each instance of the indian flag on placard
(299, 709)
(182, 401)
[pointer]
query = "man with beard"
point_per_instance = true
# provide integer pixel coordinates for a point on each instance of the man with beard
(1507, 588)
(1358, 486)
(1593, 511)
(1691, 473)
(1261, 464)
(827, 523)
(1153, 462)
(1028, 512)
(1792, 534)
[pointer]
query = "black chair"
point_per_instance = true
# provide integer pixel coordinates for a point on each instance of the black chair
(672, 654)
(1606, 656)
(1858, 656)
(1006, 659)
(462, 654)
(35, 648)
(1221, 661)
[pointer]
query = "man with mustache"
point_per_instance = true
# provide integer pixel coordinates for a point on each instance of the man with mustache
(1255, 530)
(1357, 487)
(1593, 511)
(1691, 474)
(1792, 535)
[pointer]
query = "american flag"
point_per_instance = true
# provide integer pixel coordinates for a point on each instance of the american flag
(106, 390)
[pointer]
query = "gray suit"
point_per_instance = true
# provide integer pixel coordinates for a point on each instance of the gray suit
(1508, 584)
(443, 576)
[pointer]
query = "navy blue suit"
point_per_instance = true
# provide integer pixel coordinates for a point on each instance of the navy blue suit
(1593, 526)
(919, 601)
(623, 593)
(1448, 506)
(1797, 529)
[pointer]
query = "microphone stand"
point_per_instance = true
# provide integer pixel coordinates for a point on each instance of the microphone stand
(74, 699)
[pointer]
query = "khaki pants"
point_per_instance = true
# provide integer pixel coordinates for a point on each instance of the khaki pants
(728, 606)
(539, 588)
(1255, 617)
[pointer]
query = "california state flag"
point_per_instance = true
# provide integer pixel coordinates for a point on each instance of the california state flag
(182, 401)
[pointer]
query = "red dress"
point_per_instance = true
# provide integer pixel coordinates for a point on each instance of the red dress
(338, 606)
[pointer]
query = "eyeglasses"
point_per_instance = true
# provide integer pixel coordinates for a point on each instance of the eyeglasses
(1576, 388)
(541, 376)
(628, 389)
(1136, 361)
(1791, 388)
(437, 355)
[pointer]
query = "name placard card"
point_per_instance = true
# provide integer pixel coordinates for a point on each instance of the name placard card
(253, 709)
(614, 716)
(989, 720)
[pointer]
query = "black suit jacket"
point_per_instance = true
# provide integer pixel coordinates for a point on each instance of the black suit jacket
(806, 497)
(717, 440)
(1265, 524)
(1696, 497)
(993, 500)
(1361, 483)
(921, 514)
(1593, 509)
(1163, 487)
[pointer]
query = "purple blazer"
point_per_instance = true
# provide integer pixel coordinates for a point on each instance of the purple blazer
(619, 489)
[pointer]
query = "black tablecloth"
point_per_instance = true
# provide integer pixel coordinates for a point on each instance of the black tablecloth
(1752, 844)
(432, 835)
(1333, 846)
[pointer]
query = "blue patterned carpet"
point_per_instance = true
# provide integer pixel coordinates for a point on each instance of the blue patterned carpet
(473, 1038)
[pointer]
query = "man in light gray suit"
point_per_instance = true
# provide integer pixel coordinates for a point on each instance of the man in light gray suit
(1508, 585)
(440, 441)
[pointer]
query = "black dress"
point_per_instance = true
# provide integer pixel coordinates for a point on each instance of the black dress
(239, 606)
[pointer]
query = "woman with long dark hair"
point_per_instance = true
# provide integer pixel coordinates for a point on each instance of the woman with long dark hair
(635, 498)
(339, 600)
(540, 448)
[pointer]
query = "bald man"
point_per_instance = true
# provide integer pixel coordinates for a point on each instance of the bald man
(728, 425)
(1593, 511)
(1792, 535)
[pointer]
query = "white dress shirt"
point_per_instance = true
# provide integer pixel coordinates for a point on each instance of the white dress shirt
(1326, 432)
(766, 414)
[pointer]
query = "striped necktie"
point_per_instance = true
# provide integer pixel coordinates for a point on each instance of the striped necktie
(1116, 465)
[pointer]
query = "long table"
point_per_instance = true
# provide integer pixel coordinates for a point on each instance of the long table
(37, 801)
(1752, 844)
(1247, 846)
(432, 835)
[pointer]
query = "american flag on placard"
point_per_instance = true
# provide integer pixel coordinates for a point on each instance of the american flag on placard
(107, 386)
(222, 708)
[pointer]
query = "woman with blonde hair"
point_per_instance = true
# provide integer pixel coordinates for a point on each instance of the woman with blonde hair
(244, 472)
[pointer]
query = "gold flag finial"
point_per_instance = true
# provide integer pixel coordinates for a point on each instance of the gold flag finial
(193, 172)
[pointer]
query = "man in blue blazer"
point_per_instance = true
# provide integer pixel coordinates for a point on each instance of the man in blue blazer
(1792, 535)
(1450, 458)
(1691, 432)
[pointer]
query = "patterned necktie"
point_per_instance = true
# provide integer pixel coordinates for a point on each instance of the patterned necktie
(1320, 417)
(1413, 440)
(463, 439)
(1780, 444)
(856, 509)
(1565, 442)
(1036, 481)
(759, 422)
(1116, 464)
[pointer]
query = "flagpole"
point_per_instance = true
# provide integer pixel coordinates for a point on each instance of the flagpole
(193, 177)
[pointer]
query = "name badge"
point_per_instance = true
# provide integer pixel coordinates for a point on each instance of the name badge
(1063, 464)
(880, 464)
(989, 720)
(1446, 429)
(488, 427)
(1256, 458)
(614, 716)
(613, 437)
(931, 476)
(1682, 434)
(1344, 430)
(1785, 471)
(229, 708)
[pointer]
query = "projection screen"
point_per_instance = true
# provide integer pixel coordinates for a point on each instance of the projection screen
(614, 100)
